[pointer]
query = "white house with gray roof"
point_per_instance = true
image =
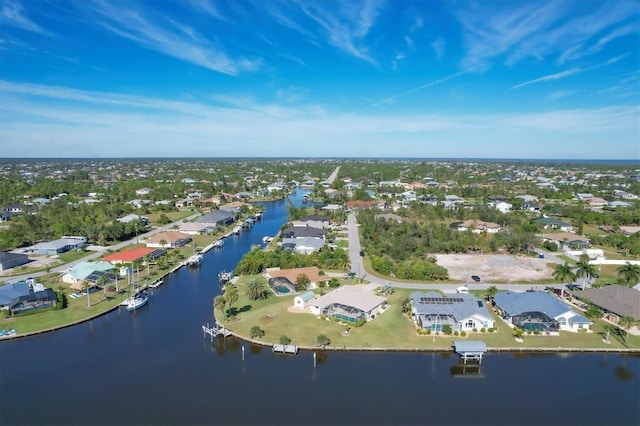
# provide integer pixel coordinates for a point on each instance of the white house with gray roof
(460, 311)
(538, 311)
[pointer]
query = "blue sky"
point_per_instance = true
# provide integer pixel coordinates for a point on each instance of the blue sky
(298, 78)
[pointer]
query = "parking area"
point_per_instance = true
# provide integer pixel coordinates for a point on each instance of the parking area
(495, 268)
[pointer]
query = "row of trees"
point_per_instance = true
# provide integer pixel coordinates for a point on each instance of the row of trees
(256, 261)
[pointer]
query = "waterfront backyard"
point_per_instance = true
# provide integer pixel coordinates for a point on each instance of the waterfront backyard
(392, 329)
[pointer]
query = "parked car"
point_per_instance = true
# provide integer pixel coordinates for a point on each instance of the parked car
(475, 278)
(361, 253)
(351, 275)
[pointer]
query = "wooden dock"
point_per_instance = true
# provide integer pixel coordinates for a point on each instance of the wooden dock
(215, 331)
(285, 349)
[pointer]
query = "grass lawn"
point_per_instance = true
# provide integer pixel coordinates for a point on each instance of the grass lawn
(390, 329)
(174, 216)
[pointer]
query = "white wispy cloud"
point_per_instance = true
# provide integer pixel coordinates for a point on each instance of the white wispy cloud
(13, 14)
(570, 72)
(169, 37)
(511, 32)
(209, 7)
(344, 25)
(415, 89)
(438, 46)
(81, 123)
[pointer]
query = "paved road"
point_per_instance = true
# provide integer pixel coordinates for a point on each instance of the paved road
(333, 175)
(357, 266)
(101, 253)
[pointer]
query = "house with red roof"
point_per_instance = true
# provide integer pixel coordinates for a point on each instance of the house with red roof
(136, 254)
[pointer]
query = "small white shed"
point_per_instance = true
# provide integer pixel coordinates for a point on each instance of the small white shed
(301, 300)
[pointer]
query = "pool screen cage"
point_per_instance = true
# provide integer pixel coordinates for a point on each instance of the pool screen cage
(343, 312)
(281, 281)
(435, 322)
(535, 321)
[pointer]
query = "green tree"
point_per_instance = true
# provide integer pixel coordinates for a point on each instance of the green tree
(585, 271)
(626, 323)
(220, 303)
(630, 273)
(257, 289)
(256, 332)
(230, 294)
(303, 281)
(491, 293)
(102, 281)
(564, 273)
(322, 340)
(284, 340)
(85, 286)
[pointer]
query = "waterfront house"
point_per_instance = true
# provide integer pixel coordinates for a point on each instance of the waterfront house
(303, 231)
(348, 303)
(290, 276)
(303, 245)
(616, 301)
(137, 254)
(194, 228)
(538, 311)
(460, 311)
(217, 217)
(90, 271)
(10, 260)
(313, 221)
(25, 296)
(172, 239)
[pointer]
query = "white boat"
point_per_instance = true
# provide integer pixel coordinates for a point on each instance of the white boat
(195, 260)
(156, 284)
(218, 243)
(237, 230)
(267, 239)
(137, 302)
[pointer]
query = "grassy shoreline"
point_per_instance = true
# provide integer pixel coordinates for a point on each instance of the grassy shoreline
(391, 330)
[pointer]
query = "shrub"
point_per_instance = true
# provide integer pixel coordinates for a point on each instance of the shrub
(490, 329)
(475, 330)
(419, 331)
(582, 330)
(446, 329)
(463, 333)
(428, 332)
(483, 330)
(362, 321)
(536, 332)
(256, 332)
(528, 331)
(455, 333)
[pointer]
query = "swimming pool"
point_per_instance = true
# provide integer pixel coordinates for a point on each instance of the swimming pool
(282, 289)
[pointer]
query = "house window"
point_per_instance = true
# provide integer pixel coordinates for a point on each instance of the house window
(562, 320)
(470, 324)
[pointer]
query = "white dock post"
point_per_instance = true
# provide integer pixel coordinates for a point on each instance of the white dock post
(243, 352)
(314, 360)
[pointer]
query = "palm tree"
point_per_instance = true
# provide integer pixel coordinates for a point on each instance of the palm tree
(491, 292)
(626, 323)
(564, 273)
(230, 294)
(256, 289)
(585, 271)
(220, 302)
(630, 273)
(102, 281)
(85, 287)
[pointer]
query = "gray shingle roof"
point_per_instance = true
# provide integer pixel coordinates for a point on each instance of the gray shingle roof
(530, 301)
(622, 301)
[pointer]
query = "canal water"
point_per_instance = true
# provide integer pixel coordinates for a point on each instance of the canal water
(155, 367)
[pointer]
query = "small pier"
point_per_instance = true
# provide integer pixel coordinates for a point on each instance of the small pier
(285, 349)
(215, 331)
(225, 276)
(470, 350)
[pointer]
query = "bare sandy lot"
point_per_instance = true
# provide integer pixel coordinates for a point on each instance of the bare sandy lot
(498, 268)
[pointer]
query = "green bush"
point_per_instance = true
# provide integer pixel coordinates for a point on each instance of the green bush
(463, 333)
(490, 329)
(428, 331)
(536, 332)
(483, 330)
(419, 331)
(455, 333)
(475, 330)
(582, 330)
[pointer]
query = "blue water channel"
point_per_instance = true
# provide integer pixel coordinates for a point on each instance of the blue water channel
(155, 367)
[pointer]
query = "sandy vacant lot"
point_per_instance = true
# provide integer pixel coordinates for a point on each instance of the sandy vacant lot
(498, 268)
